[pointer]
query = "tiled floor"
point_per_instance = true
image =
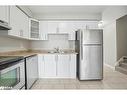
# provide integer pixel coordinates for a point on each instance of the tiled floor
(112, 80)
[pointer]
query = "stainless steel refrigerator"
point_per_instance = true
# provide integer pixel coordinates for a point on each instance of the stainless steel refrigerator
(90, 58)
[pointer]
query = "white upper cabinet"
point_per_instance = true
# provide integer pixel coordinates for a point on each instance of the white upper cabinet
(87, 24)
(53, 27)
(4, 13)
(15, 22)
(19, 23)
(43, 28)
(25, 26)
(64, 27)
(72, 27)
(92, 25)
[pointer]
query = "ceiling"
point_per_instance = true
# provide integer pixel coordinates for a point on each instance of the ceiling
(66, 9)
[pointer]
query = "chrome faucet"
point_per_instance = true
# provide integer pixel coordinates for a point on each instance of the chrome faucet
(57, 49)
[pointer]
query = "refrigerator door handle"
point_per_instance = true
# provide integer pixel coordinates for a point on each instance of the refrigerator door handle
(81, 39)
(81, 52)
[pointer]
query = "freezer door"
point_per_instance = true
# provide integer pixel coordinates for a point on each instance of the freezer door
(91, 64)
(92, 36)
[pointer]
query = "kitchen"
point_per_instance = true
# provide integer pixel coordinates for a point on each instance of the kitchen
(41, 47)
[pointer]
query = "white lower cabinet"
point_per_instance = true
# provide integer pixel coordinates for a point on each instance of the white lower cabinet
(57, 66)
(63, 66)
(49, 65)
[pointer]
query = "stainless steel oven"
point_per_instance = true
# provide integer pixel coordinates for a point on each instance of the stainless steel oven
(12, 74)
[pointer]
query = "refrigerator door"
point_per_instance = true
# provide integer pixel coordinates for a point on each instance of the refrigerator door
(91, 36)
(91, 67)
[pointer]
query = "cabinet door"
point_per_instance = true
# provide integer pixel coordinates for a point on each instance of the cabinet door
(50, 65)
(53, 27)
(71, 28)
(4, 13)
(63, 67)
(15, 19)
(18, 22)
(64, 27)
(43, 29)
(25, 26)
(34, 29)
(72, 60)
(92, 24)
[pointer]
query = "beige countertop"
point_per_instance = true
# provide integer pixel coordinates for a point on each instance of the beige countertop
(33, 52)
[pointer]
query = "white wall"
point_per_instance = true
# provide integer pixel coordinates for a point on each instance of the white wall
(9, 44)
(54, 41)
(109, 17)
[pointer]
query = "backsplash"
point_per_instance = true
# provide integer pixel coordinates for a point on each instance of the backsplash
(10, 44)
(55, 40)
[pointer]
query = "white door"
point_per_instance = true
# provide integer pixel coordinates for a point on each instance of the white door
(63, 66)
(49, 65)
(91, 62)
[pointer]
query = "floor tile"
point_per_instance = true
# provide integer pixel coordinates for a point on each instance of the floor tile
(112, 80)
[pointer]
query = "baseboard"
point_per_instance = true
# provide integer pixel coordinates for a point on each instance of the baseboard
(113, 68)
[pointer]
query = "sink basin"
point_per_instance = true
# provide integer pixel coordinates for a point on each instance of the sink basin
(53, 52)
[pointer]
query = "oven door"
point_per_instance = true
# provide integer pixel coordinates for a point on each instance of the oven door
(13, 76)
